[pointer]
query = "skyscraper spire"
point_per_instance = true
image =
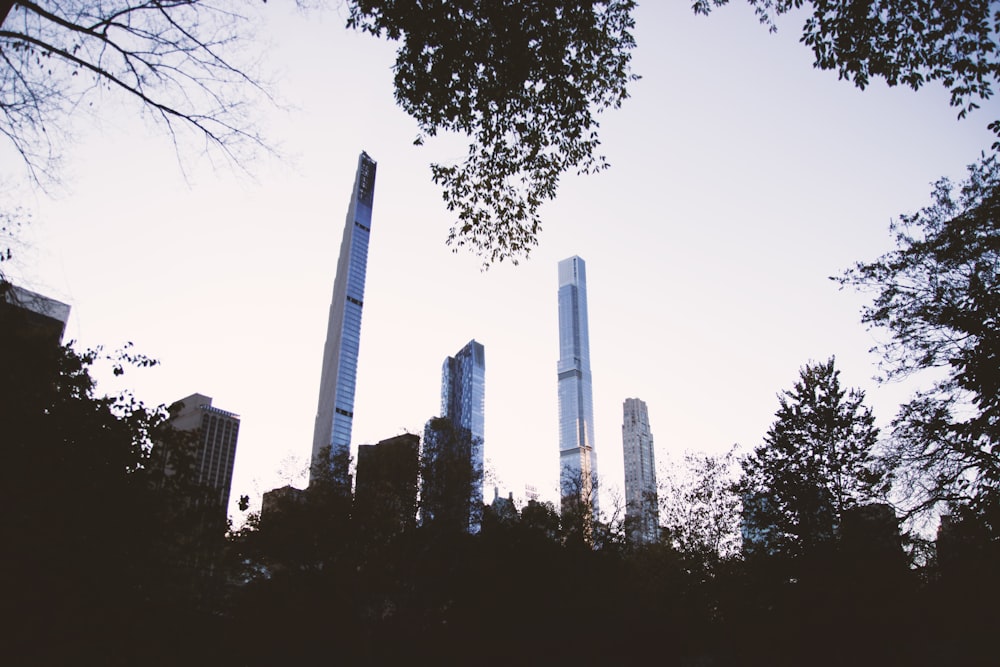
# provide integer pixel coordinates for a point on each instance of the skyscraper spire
(335, 414)
(577, 458)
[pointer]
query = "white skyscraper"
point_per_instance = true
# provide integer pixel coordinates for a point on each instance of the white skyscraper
(577, 458)
(642, 517)
(335, 414)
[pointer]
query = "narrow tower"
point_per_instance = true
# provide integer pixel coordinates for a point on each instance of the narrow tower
(577, 458)
(642, 516)
(335, 413)
(463, 398)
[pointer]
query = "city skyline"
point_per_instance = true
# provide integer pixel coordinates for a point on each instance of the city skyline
(741, 178)
(578, 474)
(338, 381)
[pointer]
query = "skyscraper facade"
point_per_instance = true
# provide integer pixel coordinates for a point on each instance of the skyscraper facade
(577, 457)
(335, 414)
(214, 452)
(642, 516)
(463, 401)
(450, 493)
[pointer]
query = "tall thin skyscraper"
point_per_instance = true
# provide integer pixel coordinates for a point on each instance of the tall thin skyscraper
(335, 413)
(642, 515)
(577, 458)
(463, 401)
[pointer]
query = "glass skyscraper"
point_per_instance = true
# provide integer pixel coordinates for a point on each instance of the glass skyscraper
(463, 399)
(641, 507)
(577, 458)
(335, 413)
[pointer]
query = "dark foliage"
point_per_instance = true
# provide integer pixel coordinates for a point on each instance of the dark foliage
(525, 81)
(449, 500)
(817, 461)
(909, 42)
(938, 296)
(172, 58)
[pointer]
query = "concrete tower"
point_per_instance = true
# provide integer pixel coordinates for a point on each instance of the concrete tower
(642, 516)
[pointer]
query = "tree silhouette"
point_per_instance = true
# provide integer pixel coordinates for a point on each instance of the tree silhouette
(175, 59)
(525, 82)
(817, 461)
(92, 556)
(449, 479)
(700, 508)
(909, 42)
(938, 296)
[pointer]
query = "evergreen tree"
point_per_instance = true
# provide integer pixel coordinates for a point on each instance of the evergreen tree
(817, 461)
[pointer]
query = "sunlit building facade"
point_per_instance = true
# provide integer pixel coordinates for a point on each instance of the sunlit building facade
(577, 456)
(642, 516)
(335, 413)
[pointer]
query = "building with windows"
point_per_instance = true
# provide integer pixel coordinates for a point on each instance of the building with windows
(577, 456)
(642, 515)
(213, 450)
(463, 401)
(455, 442)
(335, 413)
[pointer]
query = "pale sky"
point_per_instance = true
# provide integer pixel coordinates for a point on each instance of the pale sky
(741, 179)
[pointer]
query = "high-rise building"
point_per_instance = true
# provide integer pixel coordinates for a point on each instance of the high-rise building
(214, 450)
(450, 491)
(385, 494)
(32, 314)
(335, 414)
(577, 457)
(463, 401)
(642, 517)
(453, 444)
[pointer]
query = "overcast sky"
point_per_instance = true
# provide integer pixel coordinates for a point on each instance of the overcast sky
(741, 180)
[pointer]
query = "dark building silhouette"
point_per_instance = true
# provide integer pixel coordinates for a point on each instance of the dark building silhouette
(503, 510)
(385, 500)
(32, 315)
(278, 502)
(449, 480)
(870, 534)
(967, 548)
